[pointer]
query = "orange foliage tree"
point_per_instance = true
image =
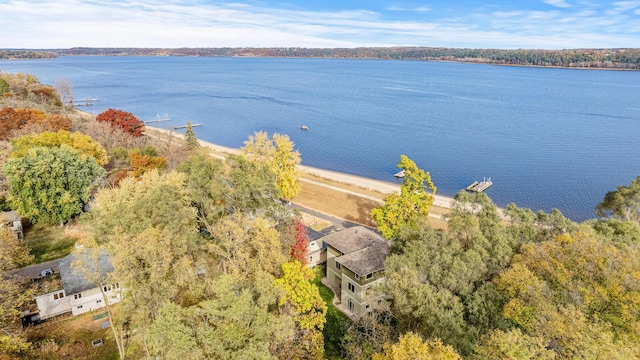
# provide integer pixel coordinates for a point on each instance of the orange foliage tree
(142, 163)
(15, 119)
(122, 119)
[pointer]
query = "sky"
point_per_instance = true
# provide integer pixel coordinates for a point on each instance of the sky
(506, 24)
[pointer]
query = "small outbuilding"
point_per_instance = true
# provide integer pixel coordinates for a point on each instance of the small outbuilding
(12, 220)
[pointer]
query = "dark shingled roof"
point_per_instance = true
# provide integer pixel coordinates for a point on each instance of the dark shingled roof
(352, 239)
(364, 250)
(73, 281)
(366, 261)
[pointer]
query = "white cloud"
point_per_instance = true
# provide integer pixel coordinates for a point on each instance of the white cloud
(154, 23)
(409, 9)
(557, 3)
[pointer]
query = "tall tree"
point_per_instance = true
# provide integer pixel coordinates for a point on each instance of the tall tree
(206, 185)
(302, 300)
(12, 255)
(301, 247)
(413, 202)
(411, 346)
(252, 185)
(278, 154)
(51, 185)
(623, 203)
(190, 138)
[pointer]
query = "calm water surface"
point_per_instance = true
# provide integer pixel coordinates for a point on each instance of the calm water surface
(548, 138)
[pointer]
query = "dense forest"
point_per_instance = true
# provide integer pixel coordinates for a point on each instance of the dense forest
(211, 265)
(628, 59)
(25, 54)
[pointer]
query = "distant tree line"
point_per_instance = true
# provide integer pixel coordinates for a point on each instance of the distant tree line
(23, 54)
(575, 58)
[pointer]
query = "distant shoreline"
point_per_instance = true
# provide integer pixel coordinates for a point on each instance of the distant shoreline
(362, 182)
(585, 59)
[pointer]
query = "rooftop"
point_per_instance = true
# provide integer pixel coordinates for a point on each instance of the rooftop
(366, 261)
(352, 239)
(74, 280)
(364, 251)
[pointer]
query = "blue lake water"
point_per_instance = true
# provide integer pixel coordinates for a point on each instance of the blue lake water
(548, 138)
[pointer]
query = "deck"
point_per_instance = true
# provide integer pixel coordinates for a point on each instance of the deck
(480, 186)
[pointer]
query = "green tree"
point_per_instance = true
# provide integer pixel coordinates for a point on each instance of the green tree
(302, 300)
(206, 185)
(623, 203)
(190, 138)
(410, 346)
(412, 203)
(51, 185)
(252, 185)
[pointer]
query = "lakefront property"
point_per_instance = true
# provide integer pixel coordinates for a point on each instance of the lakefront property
(355, 267)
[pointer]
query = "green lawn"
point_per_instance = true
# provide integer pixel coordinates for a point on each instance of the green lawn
(337, 322)
(47, 242)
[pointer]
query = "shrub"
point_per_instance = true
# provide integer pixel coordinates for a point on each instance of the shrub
(122, 119)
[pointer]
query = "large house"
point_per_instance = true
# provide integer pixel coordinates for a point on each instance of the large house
(75, 293)
(355, 267)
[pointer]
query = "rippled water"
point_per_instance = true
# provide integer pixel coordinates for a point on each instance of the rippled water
(548, 138)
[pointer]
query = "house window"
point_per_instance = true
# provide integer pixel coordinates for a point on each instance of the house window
(79, 306)
(77, 296)
(313, 244)
(310, 259)
(357, 277)
(351, 305)
(57, 296)
(352, 288)
(98, 301)
(367, 307)
(337, 265)
(369, 276)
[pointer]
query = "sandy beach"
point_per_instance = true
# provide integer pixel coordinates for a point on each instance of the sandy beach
(362, 182)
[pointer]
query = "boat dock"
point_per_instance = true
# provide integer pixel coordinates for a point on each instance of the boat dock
(480, 186)
(399, 174)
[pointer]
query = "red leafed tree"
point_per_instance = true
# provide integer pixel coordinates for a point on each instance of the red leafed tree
(122, 119)
(301, 247)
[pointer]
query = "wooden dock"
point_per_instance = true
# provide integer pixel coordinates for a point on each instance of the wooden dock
(480, 186)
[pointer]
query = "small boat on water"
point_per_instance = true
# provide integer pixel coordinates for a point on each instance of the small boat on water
(304, 127)
(399, 174)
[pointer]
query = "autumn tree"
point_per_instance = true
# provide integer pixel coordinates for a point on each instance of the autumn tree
(301, 247)
(623, 203)
(13, 121)
(369, 333)
(83, 143)
(246, 246)
(279, 155)
(413, 202)
(511, 345)
(143, 162)
(12, 255)
(581, 295)
(51, 185)
(235, 322)
(302, 300)
(122, 119)
(411, 346)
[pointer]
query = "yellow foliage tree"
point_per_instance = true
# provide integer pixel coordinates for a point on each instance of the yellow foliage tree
(302, 300)
(279, 155)
(410, 346)
(85, 145)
